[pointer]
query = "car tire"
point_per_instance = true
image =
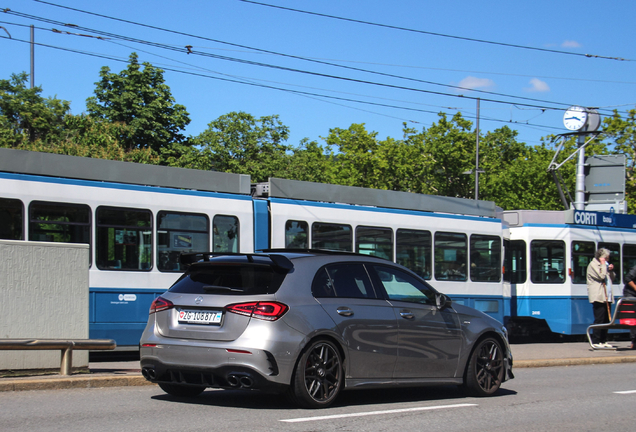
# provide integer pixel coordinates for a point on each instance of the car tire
(182, 390)
(318, 377)
(485, 370)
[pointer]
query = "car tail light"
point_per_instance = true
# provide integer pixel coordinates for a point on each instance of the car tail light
(160, 304)
(268, 311)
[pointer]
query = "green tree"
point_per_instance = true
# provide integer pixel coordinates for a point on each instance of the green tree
(140, 99)
(311, 162)
(239, 143)
(25, 116)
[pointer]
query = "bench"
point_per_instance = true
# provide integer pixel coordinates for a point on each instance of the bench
(66, 346)
(624, 317)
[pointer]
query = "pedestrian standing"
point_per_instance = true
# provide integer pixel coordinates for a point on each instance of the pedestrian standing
(629, 290)
(598, 270)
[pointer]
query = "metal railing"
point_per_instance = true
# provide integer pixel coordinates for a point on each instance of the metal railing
(66, 346)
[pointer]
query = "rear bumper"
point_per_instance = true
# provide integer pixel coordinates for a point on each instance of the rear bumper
(224, 376)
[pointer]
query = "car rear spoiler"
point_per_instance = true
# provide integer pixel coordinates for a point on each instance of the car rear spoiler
(280, 262)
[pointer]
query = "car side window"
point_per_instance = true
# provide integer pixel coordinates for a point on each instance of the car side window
(401, 286)
(343, 280)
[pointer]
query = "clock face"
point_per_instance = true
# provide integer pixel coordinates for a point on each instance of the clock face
(575, 118)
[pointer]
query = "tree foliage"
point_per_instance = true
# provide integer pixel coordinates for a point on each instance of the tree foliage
(240, 143)
(140, 99)
(25, 116)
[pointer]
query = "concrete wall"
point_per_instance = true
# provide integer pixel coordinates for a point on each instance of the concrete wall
(43, 294)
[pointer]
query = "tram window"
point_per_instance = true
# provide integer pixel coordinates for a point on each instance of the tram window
(331, 236)
(413, 250)
(375, 241)
(124, 239)
(450, 256)
(11, 219)
(177, 233)
(547, 261)
(614, 258)
(516, 263)
(485, 258)
(296, 233)
(59, 222)
(629, 258)
(582, 254)
(225, 234)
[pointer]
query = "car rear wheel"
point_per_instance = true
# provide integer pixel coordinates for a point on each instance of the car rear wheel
(485, 370)
(318, 377)
(181, 390)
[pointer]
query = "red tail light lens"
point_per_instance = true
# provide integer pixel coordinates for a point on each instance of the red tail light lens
(268, 311)
(160, 304)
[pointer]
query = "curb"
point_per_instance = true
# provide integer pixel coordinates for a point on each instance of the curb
(103, 381)
(571, 362)
(72, 383)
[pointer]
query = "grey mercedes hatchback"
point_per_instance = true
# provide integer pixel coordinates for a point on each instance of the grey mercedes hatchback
(312, 324)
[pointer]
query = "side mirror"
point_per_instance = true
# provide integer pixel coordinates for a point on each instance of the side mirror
(442, 301)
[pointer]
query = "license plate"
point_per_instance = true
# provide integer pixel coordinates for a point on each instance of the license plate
(200, 317)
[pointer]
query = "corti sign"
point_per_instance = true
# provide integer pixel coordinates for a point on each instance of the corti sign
(591, 218)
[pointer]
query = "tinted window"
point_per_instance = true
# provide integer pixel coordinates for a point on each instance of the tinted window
(229, 280)
(177, 233)
(375, 241)
(331, 236)
(547, 261)
(124, 239)
(59, 222)
(296, 233)
(11, 219)
(226, 234)
(614, 258)
(516, 265)
(343, 280)
(413, 250)
(485, 258)
(401, 286)
(629, 258)
(582, 254)
(450, 256)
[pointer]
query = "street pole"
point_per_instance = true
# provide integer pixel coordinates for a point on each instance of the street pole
(32, 56)
(477, 156)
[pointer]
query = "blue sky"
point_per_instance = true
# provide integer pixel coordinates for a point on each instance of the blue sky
(423, 44)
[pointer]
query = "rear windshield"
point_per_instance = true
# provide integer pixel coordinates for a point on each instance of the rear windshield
(230, 280)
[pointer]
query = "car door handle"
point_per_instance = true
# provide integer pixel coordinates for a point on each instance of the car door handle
(407, 314)
(344, 311)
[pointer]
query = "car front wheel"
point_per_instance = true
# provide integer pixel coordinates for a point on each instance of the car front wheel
(318, 377)
(485, 370)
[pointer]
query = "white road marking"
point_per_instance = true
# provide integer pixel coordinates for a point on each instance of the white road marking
(362, 414)
(626, 392)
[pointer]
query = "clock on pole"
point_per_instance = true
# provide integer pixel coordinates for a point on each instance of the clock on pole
(575, 118)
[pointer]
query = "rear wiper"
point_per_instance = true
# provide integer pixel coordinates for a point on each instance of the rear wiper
(208, 288)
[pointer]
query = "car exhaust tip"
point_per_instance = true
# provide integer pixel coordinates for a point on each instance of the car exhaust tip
(246, 382)
(233, 380)
(149, 373)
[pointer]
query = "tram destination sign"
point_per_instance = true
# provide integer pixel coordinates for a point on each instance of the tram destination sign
(593, 218)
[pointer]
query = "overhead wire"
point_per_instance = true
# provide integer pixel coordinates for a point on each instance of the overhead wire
(296, 57)
(436, 34)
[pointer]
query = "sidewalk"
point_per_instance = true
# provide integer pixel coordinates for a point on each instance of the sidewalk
(128, 373)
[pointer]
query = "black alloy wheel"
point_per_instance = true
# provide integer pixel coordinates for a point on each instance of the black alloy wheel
(318, 377)
(485, 370)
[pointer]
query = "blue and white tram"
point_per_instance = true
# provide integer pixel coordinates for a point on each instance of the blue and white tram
(459, 254)
(137, 219)
(547, 258)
